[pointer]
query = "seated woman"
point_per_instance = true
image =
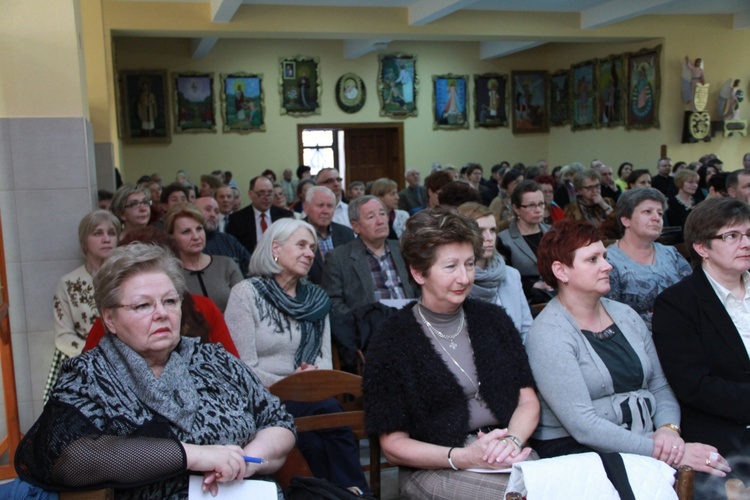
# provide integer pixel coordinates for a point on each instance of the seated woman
(447, 385)
(552, 212)
(519, 243)
(73, 302)
(599, 380)
(686, 198)
(132, 205)
(212, 276)
(148, 396)
(387, 191)
(701, 331)
(200, 316)
(639, 178)
(280, 326)
(493, 280)
(642, 268)
(623, 171)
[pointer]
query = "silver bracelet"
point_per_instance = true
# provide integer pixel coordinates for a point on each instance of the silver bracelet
(516, 442)
(450, 461)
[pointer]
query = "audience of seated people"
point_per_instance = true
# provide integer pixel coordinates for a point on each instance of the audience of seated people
(635, 411)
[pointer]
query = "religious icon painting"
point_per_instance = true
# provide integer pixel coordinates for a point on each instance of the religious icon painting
(350, 93)
(610, 91)
(490, 100)
(242, 105)
(644, 87)
(529, 101)
(583, 95)
(194, 103)
(449, 101)
(299, 85)
(398, 85)
(143, 115)
(559, 98)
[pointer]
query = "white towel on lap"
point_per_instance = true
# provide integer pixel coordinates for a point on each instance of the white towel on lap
(583, 476)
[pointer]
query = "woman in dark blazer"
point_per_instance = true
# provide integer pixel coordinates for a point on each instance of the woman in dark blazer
(701, 328)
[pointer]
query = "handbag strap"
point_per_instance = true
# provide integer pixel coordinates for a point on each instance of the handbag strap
(617, 475)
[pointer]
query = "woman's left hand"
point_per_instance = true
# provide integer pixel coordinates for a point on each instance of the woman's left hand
(668, 446)
(305, 367)
(219, 463)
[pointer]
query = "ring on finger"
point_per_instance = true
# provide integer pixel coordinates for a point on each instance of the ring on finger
(708, 462)
(674, 446)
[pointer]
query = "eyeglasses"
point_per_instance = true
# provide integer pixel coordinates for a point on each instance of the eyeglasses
(170, 304)
(263, 194)
(732, 237)
(331, 180)
(593, 186)
(532, 206)
(135, 204)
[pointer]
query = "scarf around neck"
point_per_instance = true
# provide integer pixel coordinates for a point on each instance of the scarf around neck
(310, 308)
(489, 279)
(173, 395)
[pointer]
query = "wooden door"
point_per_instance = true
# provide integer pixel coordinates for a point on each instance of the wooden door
(374, 152)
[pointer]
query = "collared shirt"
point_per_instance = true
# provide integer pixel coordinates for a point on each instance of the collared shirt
(341, 214)
(325, 243)
(738, 309)
(223, 221)
(384, 275)
(258, 228)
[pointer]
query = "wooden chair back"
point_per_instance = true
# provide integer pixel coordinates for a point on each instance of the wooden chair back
(317, 385)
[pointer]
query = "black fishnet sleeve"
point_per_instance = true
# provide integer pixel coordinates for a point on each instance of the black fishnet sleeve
(64, 450)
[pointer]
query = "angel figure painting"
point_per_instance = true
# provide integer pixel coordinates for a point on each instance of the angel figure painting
(730, 97)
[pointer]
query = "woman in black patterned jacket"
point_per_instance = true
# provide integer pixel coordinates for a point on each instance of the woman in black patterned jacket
(147, 406)
(447, 383)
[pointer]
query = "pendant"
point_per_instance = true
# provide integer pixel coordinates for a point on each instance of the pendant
(478, 397)
(453, 345)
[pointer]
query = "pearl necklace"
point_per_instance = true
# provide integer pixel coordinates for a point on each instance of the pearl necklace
(440, 334)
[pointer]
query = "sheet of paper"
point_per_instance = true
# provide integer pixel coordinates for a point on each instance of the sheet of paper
(490, 471)
(257, 490)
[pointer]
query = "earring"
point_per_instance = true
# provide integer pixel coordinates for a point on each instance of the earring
(275, 259)
(565, 281)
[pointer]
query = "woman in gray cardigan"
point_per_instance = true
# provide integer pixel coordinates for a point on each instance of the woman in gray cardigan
(599, 379)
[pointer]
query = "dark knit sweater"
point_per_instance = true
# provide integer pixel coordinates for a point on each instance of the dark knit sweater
(408, 387)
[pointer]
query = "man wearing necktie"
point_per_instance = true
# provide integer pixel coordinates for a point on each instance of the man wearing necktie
(249, 224)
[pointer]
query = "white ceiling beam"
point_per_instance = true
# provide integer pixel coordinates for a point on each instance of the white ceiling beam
(617, 11)
(493, 50)
(426, 11)
(741, 20)
(354, 49)
(222, 11)
(200, 47)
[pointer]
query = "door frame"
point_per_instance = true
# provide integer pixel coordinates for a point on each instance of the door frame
(398, 126)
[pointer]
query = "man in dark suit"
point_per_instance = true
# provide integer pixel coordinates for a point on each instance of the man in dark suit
(701, 327)
(369, 268)
(413, 197)
(248, 224)
(319, 204)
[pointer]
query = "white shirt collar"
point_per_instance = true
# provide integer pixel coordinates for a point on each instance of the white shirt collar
(723, 293)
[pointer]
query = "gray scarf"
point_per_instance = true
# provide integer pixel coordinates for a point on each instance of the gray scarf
(489, 279)
(173, 395)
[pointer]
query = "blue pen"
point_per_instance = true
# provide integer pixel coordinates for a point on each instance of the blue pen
(255, 460)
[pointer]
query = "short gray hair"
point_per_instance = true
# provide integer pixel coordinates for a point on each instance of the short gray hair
(122, 194)
(91, 221)
(581, 176)
(318, 189)
(356, 206)
(630, 199)
(262, 263)
(131, 260)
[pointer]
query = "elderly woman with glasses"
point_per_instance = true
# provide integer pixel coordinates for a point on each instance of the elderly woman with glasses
(132, 205)
(447, 385)
(701, 328)
(147, 405)
(280, 325)
(641, 267)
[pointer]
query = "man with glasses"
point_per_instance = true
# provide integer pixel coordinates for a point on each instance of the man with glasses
(330, 178)
(249, 224)
(590, 205)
